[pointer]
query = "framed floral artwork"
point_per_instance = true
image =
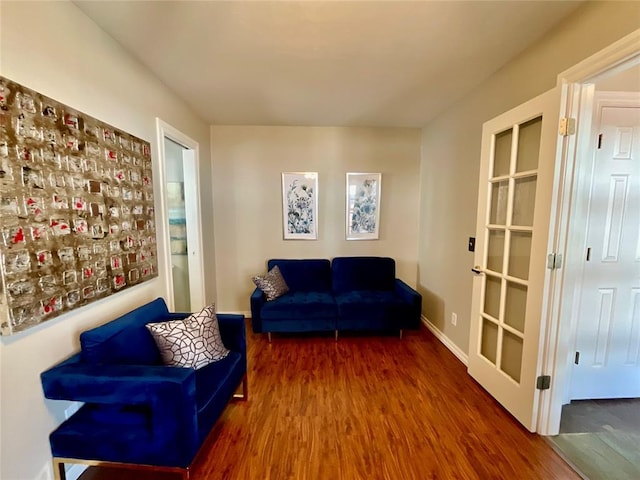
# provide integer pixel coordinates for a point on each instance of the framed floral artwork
(300, 205)
(363, 206)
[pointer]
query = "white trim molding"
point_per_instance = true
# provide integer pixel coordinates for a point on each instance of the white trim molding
(616, 57)
(244, 313)
(74, 471)
(446, 341)
(191, 159)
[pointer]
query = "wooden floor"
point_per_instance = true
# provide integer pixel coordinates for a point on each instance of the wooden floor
(365, 407)
(601, 438)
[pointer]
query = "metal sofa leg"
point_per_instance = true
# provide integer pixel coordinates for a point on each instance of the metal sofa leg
(60, 474)
(336, 335)
(58, 469)
(400, 334)
(245, 389)
(269, 336)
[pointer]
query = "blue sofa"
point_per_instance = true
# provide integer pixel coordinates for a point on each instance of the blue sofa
(308, 306)
(136, 410)
(348, 293)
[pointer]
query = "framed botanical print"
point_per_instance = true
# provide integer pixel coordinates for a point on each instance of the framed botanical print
(300, 205)
(363, 206)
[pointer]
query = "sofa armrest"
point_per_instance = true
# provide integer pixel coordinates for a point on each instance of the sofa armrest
(233, 333)
(257, 301)
(118, 384)
(410, 296)
(166, 394)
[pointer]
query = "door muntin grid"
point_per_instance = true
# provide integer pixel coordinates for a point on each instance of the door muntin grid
(508, 234)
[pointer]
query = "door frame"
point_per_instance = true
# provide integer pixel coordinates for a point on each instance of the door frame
(576, 103)
(194, 219)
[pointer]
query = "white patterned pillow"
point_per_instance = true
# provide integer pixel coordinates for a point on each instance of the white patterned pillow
(272, 284)
(192, 342)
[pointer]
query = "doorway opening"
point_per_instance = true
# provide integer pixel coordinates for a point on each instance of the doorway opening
(178, 237)
(594, 401)
(183, 259)
(558, 338)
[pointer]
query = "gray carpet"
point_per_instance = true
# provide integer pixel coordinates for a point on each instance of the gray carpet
(601, 438)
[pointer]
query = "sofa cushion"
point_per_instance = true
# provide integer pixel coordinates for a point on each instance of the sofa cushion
(215, 385)
(371, 305)
(272, 284)
(308, 305)
(82, 437)
(363, 273)
(193, 342)
(125, 340)
(312, 275)
(212, 377)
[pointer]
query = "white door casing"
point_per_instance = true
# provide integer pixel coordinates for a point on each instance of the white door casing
(519, 150)
(195, 255)
(192, 207)
(608, 315)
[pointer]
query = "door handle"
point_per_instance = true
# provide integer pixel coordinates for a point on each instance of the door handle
(477, 270)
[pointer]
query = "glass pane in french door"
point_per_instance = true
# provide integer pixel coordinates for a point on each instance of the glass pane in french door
(502, 153)
(509, 230)
(495, 256)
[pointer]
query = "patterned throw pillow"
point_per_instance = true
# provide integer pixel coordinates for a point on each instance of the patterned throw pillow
(272, 284)
(192, 342)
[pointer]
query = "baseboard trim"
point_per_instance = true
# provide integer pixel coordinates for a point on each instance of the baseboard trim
(245, 313)
(446, 341)
(75, 470)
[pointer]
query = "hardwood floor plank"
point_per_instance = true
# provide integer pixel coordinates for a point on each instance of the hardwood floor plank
(366, 407)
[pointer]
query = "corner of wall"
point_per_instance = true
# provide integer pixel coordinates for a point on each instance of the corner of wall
(446, 341)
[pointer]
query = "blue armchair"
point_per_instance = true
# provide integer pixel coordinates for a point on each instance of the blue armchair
(138, 412)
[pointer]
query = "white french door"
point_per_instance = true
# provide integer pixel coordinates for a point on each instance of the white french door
(514, 203)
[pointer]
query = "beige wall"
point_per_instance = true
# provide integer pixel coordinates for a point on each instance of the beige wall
(55, 49)
(451, 155)
(247, 167)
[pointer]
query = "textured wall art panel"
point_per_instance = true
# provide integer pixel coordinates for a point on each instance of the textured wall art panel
(76, 209)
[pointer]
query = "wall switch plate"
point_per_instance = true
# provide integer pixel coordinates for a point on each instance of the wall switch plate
(472, 244)
(454, 319)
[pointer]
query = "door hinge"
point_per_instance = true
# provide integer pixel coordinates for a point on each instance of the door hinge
(599, 141)
(576, 360)
(567, 126)
(554, 261)
(543, 382)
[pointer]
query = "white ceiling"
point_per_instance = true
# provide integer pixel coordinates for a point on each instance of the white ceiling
(338, 63)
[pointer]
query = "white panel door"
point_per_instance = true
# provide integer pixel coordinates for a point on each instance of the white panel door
(608, 333)
(516, 182)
